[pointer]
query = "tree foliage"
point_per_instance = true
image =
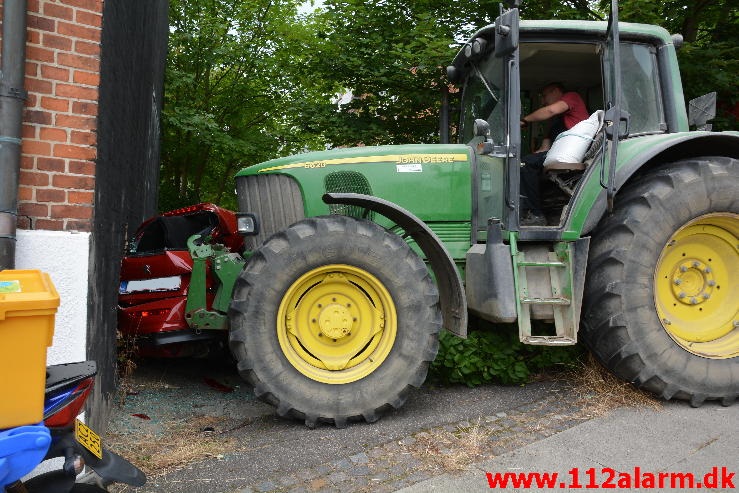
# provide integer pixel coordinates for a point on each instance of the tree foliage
(227, 94)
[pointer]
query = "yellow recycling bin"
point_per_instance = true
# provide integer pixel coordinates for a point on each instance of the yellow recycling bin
(28, 304)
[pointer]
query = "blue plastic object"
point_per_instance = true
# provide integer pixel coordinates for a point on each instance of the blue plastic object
(21, 450)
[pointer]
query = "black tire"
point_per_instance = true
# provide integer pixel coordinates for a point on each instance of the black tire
(621, 324)
(269, 277)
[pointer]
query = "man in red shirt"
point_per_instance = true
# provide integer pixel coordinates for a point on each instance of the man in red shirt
(565, 110)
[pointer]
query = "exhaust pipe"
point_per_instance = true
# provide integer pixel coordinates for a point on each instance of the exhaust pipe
(12, 96)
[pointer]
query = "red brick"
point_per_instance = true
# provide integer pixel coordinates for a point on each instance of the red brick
(33, 6)
(76, 122)
(53, 134)
(58, 11)
(35, 116)
(73, 225)
(82, 167)
(33, 209)
(28, 162)
(51, 164)
(40, 23)
(56, 42)
(76, 92)
(79, 61)
(49, 224)
(76, 182)
(86, 138)
(87, 78)
(25, 193)
(77, 31)
(55, 104)
(86, 48)
(33, 178)
(82, 108)
(24, 222)
(74, 152)
(33, 37)
(94, 5)
(31, 69)
(80, 197)
(89, 18)
(55, 73)
(71, 211)
(38, 86)
(36, 148)
(31, 101)
(28, 131)
(38, 54)
(50, 195)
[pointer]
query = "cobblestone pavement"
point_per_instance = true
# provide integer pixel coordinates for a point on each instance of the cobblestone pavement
(424, 454)
(194, 438)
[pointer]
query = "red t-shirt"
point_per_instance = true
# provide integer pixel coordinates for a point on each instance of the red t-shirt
(577, 111)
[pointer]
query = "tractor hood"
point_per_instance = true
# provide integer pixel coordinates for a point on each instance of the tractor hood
(421, 178)
(432, 180)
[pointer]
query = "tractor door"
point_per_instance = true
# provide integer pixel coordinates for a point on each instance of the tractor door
(617, 120)
(490, 113)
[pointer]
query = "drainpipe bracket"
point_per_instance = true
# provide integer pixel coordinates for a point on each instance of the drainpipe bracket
(13, 92)
(7, 224)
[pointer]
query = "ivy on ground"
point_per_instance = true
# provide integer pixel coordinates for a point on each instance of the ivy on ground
(496, 355)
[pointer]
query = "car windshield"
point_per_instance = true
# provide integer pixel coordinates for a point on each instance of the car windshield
(482, 99)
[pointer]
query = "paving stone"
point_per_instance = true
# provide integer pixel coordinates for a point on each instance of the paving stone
(265, 486)
(337, 477)
(360, 458)
(343, 464)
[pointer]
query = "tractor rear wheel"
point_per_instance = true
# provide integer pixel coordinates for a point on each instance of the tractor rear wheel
(661, 306)
(333, 320)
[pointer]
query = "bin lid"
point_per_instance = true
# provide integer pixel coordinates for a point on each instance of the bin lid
(23, 290)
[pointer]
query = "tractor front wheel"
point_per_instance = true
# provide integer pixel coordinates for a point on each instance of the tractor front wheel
(334, 319)
(661, 306)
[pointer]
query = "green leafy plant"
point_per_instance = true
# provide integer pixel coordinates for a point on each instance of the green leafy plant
(496, 355)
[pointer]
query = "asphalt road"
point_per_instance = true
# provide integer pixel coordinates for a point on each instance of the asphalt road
(263, 452)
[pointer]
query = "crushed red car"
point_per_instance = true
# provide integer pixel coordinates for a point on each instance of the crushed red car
(156, 275)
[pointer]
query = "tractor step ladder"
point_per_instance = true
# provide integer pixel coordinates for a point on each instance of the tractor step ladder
(566, 316)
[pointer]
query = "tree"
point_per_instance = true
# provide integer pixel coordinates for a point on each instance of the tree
(227, 94)
(709, 58)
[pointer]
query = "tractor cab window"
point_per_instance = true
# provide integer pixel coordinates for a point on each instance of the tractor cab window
(640, 89)
(483, 99)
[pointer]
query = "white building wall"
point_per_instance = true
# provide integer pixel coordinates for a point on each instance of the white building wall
(65, 257)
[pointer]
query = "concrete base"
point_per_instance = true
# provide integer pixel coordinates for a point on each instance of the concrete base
(65, 257)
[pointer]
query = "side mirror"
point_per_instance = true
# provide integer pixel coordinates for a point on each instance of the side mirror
(702, 109)
(481, 128)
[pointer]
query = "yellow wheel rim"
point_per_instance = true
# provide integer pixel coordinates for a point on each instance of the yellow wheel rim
(336, 324)
(696, 286)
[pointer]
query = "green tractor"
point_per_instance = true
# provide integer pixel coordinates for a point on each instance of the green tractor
(356, 258)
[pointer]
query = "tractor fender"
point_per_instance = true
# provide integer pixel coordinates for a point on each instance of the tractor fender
(686, 145)
(449, 282)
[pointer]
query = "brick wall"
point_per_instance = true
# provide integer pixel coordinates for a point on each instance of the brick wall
(57, 177)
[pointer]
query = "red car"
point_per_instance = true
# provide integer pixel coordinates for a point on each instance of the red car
(155, 279)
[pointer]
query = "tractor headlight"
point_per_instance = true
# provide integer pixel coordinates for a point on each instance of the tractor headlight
(246, 224)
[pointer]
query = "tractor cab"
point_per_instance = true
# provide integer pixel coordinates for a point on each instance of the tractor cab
(499, 85)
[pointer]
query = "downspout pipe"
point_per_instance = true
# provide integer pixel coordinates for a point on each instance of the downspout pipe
(12, 97)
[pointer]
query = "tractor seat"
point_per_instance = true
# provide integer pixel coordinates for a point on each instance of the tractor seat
(573, 151)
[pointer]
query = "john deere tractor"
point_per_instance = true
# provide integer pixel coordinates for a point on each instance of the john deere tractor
(355, 259)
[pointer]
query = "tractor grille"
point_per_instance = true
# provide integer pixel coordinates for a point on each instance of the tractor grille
(275, 199)
(348, 182)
